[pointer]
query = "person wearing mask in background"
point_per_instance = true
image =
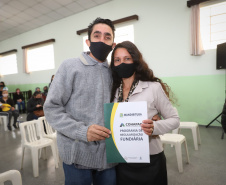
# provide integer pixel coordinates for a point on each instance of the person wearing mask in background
(38, 89)
(134, 81)
(45, 92)
(74, 108)
(7, 108)
(51, 80)
(19, 100)
(35, 106)
(2, 85)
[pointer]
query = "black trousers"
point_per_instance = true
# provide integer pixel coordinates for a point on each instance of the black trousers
(9, 114)
(153, 173)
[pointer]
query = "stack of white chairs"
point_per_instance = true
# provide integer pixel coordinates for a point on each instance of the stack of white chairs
(176, 140)
(11, 175)
(195, 132)
(30, 139)
(48, 132)
(4, 120)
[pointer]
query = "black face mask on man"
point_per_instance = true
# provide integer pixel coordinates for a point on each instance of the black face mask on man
(100, 50)
(124, 70)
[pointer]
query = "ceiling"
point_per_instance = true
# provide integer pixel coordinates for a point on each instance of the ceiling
(19, 16)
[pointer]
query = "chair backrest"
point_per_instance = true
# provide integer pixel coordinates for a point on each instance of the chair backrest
(12, 175)
(46, 129)
(30, 131)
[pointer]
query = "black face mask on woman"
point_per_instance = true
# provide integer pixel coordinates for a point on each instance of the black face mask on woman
(124, 70)
(100, 50)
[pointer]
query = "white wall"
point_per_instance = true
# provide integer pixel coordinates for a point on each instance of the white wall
(161, 34)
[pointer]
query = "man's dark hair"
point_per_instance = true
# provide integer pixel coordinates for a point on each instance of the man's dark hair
(103, 21)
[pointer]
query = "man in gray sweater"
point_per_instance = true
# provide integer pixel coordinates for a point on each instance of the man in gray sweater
(74, 108)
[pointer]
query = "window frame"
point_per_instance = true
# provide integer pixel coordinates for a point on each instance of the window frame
(32, 46)
(207, 36)
(7, 53)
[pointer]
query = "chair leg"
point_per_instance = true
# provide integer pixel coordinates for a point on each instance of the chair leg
(39, 153)
(42, 154)
(5, 122)
(45, 153)
(199, 138)
(175, 131)
(34, 153)
(54, 154)
(179, 157)
(179, 130)
(57, 153)
(23, 150)
(194, 133)
(186, 149)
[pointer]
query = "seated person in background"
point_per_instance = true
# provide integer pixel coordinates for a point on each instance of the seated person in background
(45, 92)
(19, 100)
(35, 106)
(2, 85)
(7, 108)
(37, 89)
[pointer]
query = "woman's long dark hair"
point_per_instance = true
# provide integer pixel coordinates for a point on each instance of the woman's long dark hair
(142, 71)
(52, 78)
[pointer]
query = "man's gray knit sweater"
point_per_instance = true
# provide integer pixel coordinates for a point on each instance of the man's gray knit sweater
(75, 101)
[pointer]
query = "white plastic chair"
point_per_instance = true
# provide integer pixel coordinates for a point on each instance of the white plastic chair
(29, 139)
(11, 175)
(4, 120)
(177, 140)
(48, 132)
(195, 131)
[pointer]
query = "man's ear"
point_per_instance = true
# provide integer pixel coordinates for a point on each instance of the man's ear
(88, 42)
(113, 45)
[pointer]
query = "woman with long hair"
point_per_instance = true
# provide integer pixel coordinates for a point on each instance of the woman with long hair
(19, 100)
(134, 81)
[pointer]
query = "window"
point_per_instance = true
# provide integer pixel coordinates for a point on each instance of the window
(8, 63)
(121, 34)
(213, 24)
(39, 56)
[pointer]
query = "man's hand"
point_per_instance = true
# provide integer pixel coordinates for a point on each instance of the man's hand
(156, 117)
(12, 108)
(97, 133)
